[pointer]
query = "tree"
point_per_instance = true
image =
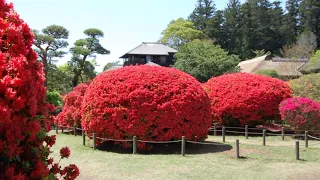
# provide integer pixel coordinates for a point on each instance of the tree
(310, 17)
(84, 49)
(304, 48)
(180, 32)
(110, 64)
(232, 18)
(59, 78)
(204, 60)
(202, 13)
(291, 25)
(49, 44)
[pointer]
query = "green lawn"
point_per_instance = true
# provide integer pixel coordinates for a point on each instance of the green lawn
(274, 161)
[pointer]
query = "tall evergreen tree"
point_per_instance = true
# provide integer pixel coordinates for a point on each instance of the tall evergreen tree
(203, 12)
(291, 25)
(310, 16)
(232, 24)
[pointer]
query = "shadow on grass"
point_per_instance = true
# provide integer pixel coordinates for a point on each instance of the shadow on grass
(167, 149)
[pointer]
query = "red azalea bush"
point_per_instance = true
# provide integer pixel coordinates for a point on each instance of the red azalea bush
(152, 103)
(242, 98)
(71, 112)
(24, 123)
(301, 113)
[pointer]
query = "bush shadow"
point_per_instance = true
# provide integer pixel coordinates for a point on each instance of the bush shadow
(168, 148)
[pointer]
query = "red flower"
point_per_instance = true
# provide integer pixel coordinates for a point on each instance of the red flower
(55, 169)
(241, 98)
(71, 112)
(64, 152)
(70, 172)
(152, 103)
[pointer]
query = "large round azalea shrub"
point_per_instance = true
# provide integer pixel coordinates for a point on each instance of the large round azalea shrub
(152, 103)
(241, 98)
(300, 113)
(307, 86)
(24, 123)
(71, 112)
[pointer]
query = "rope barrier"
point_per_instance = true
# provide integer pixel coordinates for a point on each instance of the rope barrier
(120, 140)
(236, 132)
(314, 137)
(212, 130)
(159, 142)
(234, 128)
(205, 143)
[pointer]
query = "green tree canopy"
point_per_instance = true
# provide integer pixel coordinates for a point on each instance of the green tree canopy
(81, 52)
(180, 32)
(204, 60)
(49, 44)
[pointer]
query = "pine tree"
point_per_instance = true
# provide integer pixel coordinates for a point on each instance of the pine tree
(203, 12)
(310, 16)
(291, 25)
(232, 20)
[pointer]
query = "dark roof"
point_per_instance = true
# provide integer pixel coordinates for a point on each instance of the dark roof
(150, 48)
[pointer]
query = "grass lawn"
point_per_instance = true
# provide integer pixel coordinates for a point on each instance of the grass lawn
(274, 161)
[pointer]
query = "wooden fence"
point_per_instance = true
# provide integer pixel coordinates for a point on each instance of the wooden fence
(215, 129)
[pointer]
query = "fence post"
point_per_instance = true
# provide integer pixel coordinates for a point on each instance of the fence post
(215, 129)
(74, 130)
(57, 129)
(264, 137)
(306, 138)
(183, 146)
(246, 131)
(224, 134)
(134, 145)
(297, 151)
(94, 141)
(282, 133)
(83, 138)
(237, 149)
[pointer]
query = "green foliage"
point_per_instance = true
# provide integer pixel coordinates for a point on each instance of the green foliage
(180, 32)
(202, 14)
(80, 65)
(260, 53)
(54, 97)
(204, 60)
(304, 48)
(59, 79)
(307, 86)
(268, 72)
(110, 64)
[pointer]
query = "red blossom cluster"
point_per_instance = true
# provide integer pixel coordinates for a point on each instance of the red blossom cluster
(242, 98)
(301, 113)
(71, 112)
(24, 118)
(152, 103)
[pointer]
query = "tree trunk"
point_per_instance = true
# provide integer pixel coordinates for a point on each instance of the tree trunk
(45, 68)
(75, 80)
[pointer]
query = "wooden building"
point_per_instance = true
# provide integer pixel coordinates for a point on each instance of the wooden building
(148, 52)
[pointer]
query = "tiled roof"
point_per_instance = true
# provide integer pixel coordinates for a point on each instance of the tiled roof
(148, 48)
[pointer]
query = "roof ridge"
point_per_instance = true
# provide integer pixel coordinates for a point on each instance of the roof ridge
(151, 43)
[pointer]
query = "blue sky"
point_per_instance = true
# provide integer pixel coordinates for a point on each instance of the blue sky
(125, 23)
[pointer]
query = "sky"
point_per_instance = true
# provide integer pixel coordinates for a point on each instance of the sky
(125, 23)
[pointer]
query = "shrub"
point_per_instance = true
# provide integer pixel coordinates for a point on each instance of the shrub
(268, 72)
(241, 98)
(300, 113)
(54, 98)
(24, 142)
(307, 86)
(71, 113)
(152, 103)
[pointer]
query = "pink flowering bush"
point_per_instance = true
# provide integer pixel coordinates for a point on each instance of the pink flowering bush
(152, 103)
(71, 112)
(301, 113)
